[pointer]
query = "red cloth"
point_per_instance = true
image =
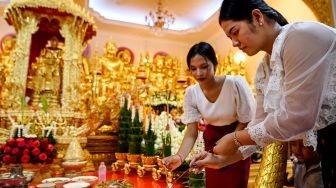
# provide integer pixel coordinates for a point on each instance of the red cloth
(232, 176)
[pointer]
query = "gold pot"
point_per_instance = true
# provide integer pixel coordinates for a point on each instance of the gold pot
(134, 158)
(148, 160)
(121, 156)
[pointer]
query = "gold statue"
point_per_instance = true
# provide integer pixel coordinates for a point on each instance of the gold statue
(111, 64)
(125, 56)
(7, 45)
(46, 76)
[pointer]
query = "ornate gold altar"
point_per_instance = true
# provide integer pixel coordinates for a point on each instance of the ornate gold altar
(46, 66)
(47, 60)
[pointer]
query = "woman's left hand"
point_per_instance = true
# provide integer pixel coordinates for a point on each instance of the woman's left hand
(226, 145)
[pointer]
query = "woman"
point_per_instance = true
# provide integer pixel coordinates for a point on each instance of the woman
(226, 104)
(295, 81)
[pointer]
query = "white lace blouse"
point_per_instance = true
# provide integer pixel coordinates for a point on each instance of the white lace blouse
(296, 85)
(235, 102)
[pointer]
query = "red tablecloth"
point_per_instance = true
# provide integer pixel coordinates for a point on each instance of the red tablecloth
(145, 182)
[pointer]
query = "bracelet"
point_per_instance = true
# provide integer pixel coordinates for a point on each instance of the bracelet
(235, 139)
(179, 157)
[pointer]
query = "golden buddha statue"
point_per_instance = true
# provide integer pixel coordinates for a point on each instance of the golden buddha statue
(7, 46)
(159, 62)
(127, 68)
(111, 64)
(125, 56)
(47, 71)
(170, 69)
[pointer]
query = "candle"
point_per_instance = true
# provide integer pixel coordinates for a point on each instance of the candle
(147, 123)
(140, 113)
(133, 113)
(129, 102)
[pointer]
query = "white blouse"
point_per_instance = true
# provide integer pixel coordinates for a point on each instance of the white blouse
(296, 85)
(235, 102)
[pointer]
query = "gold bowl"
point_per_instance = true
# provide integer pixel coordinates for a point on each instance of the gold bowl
(149, 160)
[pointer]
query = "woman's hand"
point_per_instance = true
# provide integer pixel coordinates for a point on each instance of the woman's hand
(210, 160)
(226, 145)
(172, 162)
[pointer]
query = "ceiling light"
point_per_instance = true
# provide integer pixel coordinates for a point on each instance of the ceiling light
(160, 19)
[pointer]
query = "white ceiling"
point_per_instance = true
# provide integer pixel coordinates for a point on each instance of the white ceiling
(189, 14)
(197, 18)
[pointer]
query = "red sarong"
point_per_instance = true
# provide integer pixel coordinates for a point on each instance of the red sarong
(232, 176)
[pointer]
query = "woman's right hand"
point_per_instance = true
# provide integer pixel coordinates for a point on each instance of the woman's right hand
(172, 162)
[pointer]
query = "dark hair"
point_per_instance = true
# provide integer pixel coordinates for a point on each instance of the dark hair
(205, 50)
(239, 10)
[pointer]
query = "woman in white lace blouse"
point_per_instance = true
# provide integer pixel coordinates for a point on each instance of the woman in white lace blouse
(226, 104)
(295, 82)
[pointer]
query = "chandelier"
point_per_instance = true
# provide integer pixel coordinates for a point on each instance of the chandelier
(160, 19)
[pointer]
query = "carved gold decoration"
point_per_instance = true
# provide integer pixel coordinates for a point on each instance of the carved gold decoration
(72, 64)
(273, 166)
(27, 27)
(55, 73)
(6, 69)
(76, 28)
(45, 79)
(62, 5)
(322, 9)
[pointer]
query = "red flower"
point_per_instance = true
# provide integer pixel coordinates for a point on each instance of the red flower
(25, 158)
(25, 151)
(50, 148)
(21, 144)
(20, 140)
(11, 142)
(36, 143)
(6, 159)
(43, 156)
(44, 143)
(36, 151)
(15, 151)
(30, 144)
(7, 149)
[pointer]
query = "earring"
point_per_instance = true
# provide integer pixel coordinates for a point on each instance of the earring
(260, 23)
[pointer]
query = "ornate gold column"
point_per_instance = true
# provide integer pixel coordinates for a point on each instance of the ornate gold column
(25, 27)
(322, 9)
(73, 36)
(273, 166)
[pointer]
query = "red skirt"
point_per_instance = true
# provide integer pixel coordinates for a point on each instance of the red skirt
(233, 176)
